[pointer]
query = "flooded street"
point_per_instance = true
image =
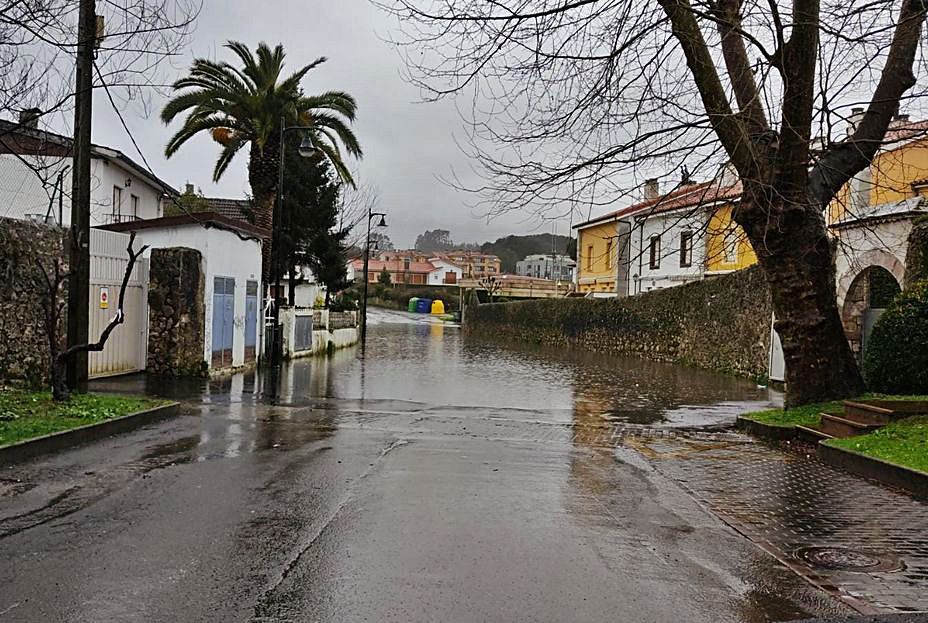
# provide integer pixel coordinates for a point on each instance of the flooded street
(432, 479)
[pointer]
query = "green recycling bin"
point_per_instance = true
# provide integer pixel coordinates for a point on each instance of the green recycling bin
(412, 305)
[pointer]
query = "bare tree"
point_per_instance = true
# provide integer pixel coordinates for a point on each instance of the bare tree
(354, 204)
(50, 287)
(575, 101)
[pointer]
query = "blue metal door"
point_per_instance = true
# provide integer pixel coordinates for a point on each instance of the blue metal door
(251, 320)
(223, 321)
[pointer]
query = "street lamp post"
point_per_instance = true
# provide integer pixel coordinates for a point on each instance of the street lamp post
(367, 257)
(306, 149)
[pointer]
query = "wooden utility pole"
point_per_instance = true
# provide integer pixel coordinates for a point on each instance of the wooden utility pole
(79, 237)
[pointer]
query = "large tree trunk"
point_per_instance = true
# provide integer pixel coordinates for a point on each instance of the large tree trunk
(796, 255)
(263, 173)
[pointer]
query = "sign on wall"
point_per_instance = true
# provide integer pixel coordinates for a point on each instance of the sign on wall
(104, 298)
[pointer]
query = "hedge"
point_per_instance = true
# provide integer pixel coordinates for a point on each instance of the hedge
(896, 358)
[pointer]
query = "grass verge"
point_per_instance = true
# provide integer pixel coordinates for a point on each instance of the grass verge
(810, 415)
(904, 443)
(26, 415)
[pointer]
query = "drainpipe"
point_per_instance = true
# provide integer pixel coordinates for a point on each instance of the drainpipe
(640, 225)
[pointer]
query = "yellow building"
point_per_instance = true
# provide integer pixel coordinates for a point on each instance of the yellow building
(596, 254)
(727, 246)
(899, 171)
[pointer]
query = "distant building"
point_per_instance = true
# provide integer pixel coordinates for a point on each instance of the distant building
(446, 273)
(547, 266)
(474, 263)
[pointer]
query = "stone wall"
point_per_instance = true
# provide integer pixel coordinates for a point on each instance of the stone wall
(177, 319)
(23, 341)
(721, 323)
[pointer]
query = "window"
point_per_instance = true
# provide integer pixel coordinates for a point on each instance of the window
(589, 257)
(730, 243)
(134, 207)
(655, 252)
(117, 204)
(608, 254)
(686, 249)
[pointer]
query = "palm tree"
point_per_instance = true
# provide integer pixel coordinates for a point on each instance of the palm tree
(247, 106)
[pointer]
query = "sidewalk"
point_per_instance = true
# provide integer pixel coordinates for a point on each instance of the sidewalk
(862, 542)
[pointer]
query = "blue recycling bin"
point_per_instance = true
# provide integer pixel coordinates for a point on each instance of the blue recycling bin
(423, 306)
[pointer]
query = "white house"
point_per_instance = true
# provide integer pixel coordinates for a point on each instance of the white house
(445, 273)
(667, 248)
(231, 252)
(35, 179)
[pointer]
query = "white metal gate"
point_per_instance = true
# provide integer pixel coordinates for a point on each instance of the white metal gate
(777, 363)
(125, 351)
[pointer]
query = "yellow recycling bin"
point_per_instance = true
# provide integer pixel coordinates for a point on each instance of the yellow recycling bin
(438, 307)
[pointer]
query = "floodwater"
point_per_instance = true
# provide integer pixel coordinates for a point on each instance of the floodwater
(427, 478)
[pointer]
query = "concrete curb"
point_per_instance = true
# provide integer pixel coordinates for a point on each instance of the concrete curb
(25, 450)
(875, 618)
(766, 431)
(911, 480)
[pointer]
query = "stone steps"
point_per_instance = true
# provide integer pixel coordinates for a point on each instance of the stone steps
(860, 418)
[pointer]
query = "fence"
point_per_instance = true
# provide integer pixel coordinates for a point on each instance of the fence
(126, 348)
(311, 331)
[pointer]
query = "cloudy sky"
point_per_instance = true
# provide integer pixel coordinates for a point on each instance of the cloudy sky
(407, 144)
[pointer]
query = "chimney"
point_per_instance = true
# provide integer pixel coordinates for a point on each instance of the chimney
(651, 189)
(857, 115)
(29, 118)
(189, 189)
(901, 118)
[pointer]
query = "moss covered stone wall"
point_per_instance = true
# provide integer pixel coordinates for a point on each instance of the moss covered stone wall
(23, 340)
(720, 323)
(176, 317)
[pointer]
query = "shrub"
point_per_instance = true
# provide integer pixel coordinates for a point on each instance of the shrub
(896, 360)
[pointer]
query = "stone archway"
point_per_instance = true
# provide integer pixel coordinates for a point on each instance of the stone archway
(866, 296)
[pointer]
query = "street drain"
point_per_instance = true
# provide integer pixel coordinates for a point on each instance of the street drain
(846, 559)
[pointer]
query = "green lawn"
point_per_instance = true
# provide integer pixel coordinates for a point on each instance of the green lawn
(24, 415)
(904, 443)
(807, 415)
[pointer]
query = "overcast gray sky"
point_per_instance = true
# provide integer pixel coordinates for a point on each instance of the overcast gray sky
(407, 144)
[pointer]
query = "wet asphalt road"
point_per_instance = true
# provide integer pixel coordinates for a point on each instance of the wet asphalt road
(432, 480)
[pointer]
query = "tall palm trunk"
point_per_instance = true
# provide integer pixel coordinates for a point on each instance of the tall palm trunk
(263, 173)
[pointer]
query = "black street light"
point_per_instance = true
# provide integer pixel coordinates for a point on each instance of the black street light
(274, 346)
(367, 257)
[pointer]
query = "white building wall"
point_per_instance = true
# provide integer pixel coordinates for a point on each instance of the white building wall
(224, 255)
(437, 277)
(870, 244)
(24, 193)
(670, 228)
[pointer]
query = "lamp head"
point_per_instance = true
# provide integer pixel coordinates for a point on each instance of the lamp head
(307, 149)
(383, 222)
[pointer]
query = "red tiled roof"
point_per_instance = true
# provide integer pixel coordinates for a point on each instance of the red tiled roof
(205, 219)
(906, 130)
(692, 195)
(394, 266)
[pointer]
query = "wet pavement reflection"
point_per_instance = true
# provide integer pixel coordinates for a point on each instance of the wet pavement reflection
(431, 477)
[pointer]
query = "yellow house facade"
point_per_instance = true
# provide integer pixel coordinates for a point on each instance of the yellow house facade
(727, 246)
(597, 254)
(898, 172)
